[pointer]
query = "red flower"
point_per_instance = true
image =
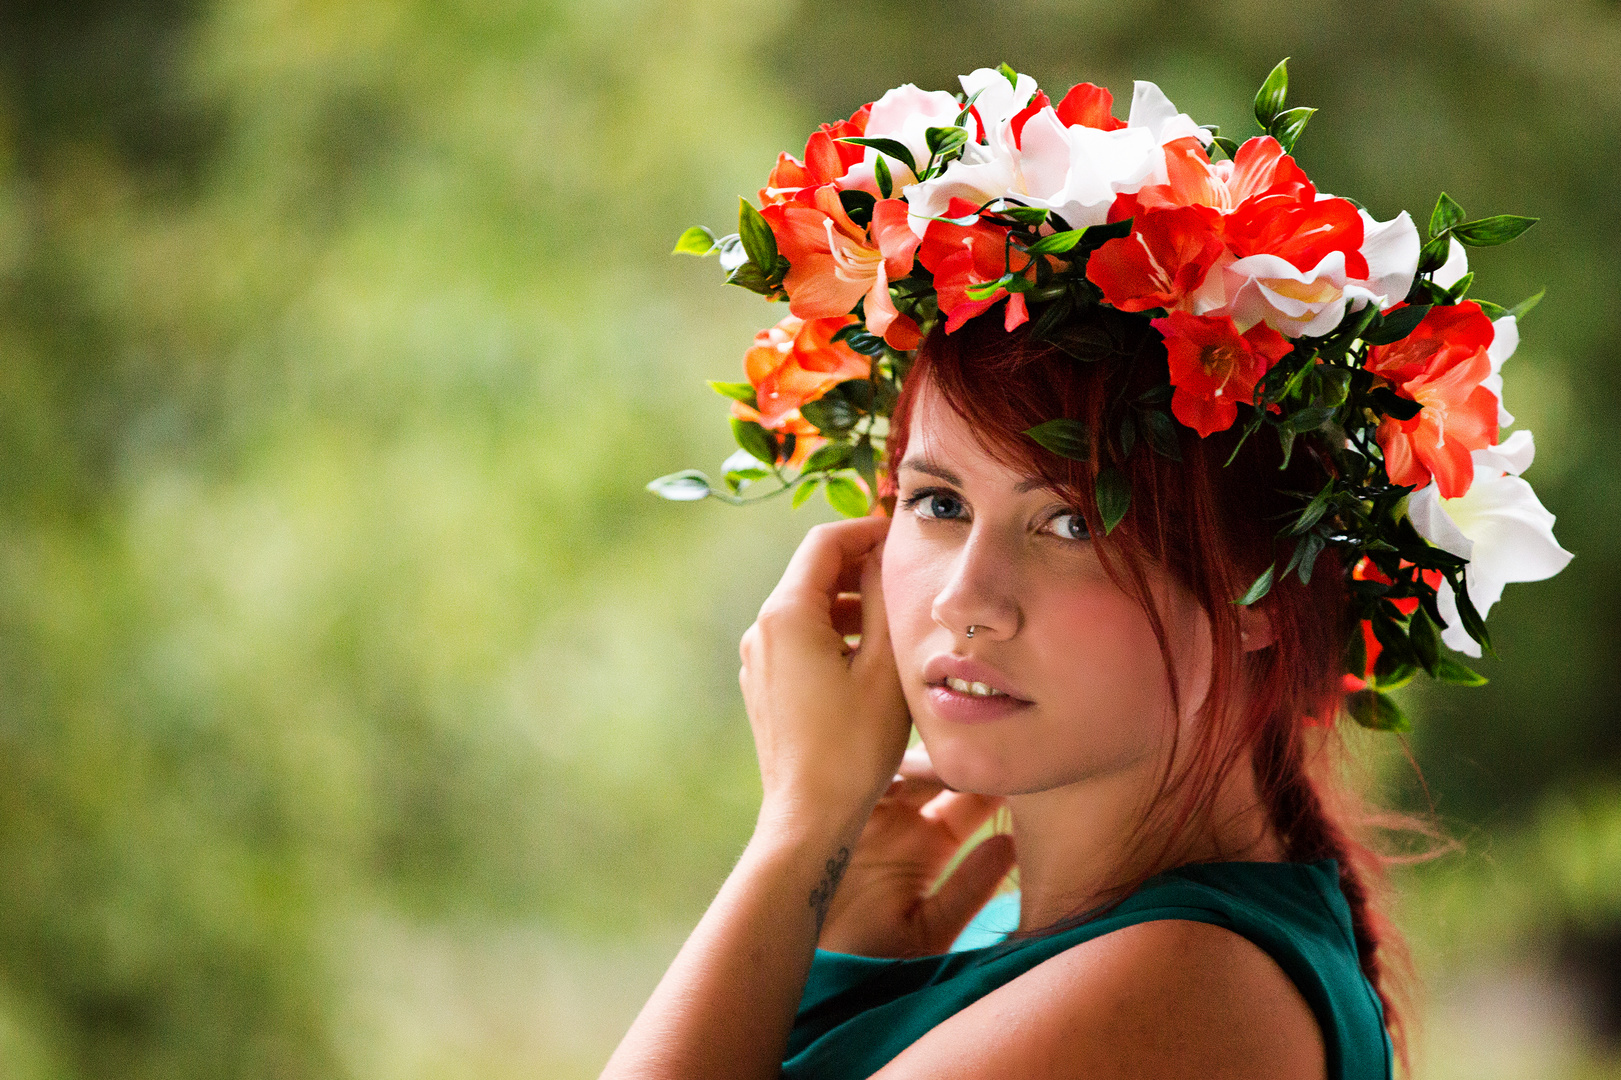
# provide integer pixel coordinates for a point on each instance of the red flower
(962, 255)
(1214, 367)
(826, 159)
(1301, 231)
(1089, 106)
(1440, 365)
(1165, 258)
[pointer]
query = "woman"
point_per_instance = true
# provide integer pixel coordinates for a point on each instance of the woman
(1052, 605)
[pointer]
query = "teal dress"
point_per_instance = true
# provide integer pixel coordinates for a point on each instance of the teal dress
(858, 1013)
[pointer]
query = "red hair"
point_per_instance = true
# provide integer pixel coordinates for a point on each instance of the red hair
(1214, 529)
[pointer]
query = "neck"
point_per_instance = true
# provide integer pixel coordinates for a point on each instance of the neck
(1080, 842)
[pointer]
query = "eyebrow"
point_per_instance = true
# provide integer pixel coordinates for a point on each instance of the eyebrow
(924, 465)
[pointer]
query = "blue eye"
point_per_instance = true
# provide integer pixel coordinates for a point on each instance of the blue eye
(1070, 526)
(937, 505)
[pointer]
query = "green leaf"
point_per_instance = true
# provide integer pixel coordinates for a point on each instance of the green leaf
(1025, 215)
(1433, 255)
(802, 493)
(757, 237)
(858, 206)
(1457, 673)
(1064, 437)
(984, 290)
(1260, 588)
(859, 338)
(696, 241)
(943, 140)
(897, 150)
(1356, 652)
(826, 458)
(1494, 311)
(1160, 431)
(864, 461)
(755, 439)
(1314, 547)
(754, 279)
(1287, 127)
(1393, 404)
(1460, 288)
(1426, 640)
(688, 485)
(1009, 74)
(880, 172)
(737, 391)
(1269, 99)
(1313, 511)
(846, 496)
(1113, 493)
(1473, 624)
(1446, 214)
(830, 415)
(1377, 711)
(1228, 146)
(1397, 325)
(1057, 242)
(1523, 308)
(1491, 231)
(1128, 435)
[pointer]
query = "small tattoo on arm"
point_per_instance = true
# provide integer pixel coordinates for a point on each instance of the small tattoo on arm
(822, 895)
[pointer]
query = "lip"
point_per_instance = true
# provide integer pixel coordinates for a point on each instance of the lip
(945, 666)
(958, 707)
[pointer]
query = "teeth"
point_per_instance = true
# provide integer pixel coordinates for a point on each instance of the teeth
(978, 689)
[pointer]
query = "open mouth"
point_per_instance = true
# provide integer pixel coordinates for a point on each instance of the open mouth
(976, 689)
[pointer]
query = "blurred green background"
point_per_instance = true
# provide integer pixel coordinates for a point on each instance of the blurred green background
(361, 715)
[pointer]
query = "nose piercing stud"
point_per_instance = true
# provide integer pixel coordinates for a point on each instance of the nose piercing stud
(971, 629)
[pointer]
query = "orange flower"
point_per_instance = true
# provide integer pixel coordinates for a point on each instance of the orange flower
(1440, 365)
(794, 362)
(1259, 168)
(833, 263)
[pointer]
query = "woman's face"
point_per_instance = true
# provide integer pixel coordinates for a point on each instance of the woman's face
(1063, 680)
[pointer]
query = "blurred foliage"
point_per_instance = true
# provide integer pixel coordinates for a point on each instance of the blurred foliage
(351, 681)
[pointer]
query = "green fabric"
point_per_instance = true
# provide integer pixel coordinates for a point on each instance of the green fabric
(857, 1012)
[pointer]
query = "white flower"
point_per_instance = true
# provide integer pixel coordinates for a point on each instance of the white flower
(1498, 525)
(1076, 172)
(903, 114)
(1456, 266)
(1505, 339)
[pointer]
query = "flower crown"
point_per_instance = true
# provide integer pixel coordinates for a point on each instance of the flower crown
(1280, 307)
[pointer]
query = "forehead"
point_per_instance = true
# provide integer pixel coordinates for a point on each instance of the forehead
(942, 444)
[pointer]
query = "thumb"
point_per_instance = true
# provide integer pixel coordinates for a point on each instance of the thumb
(973, 883)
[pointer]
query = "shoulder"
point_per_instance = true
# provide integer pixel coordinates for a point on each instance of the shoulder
(1162, 998)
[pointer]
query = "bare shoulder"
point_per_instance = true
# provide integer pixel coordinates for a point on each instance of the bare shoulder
(1165, 998)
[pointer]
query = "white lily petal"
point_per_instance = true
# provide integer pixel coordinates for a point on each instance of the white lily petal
(1434, 524)
(1513, 455)
(1270, 289)
(1151, 109)
(1505, 339)
(1457, 265)
(999, 100)
(1391, 249)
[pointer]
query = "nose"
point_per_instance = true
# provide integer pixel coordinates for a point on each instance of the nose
(980, 590)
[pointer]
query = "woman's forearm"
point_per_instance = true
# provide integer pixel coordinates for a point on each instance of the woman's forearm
(727, 1003)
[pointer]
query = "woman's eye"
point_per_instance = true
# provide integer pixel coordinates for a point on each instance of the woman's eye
(1070, 526)
(936, 505)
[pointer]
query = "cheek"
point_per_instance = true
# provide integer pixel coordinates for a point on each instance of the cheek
(910, 586)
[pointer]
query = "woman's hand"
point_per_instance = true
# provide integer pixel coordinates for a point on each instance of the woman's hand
(830, 723)
(884, 907)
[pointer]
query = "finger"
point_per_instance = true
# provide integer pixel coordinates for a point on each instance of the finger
(913, 792)
(917, 763)
(875, 654)
(847, 613)
(813, 573)
(961, 813)
(968, 888)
